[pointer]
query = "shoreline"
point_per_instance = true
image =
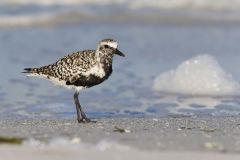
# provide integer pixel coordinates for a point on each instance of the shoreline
(185, 134)
(27, 153)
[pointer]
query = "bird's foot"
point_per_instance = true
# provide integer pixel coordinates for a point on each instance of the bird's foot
(86, 120)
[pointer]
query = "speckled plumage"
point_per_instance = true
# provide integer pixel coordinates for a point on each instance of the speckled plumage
(76, 70)
(82, 69)
(69, 65)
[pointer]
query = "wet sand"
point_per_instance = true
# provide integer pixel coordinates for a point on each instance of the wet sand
(184, 136)
(26, 153)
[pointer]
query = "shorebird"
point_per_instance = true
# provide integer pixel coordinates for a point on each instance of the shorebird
(80, 70)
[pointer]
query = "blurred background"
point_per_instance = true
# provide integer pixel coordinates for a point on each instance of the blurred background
(155, 35)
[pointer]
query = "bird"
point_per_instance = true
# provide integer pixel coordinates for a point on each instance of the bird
(80, 70)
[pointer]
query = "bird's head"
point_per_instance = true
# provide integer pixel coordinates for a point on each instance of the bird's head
(109, 46)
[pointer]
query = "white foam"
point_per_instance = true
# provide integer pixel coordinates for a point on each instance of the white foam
(26, 20)
(74, 12)
(200, 75)
(76, 143)
(59, 2)
(209, 5)
(212, 5)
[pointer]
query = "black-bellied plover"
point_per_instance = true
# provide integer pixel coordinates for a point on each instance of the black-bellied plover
(80, 70)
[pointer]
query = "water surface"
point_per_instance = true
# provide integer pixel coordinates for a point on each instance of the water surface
(150, 48)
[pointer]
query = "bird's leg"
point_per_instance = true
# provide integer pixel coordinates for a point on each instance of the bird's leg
(77, 104)
(81, 116)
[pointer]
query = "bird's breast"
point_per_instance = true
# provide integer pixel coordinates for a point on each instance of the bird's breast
(97, 70)
(94, 76)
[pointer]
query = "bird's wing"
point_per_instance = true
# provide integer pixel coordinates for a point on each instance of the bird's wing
(74, 78)
(72, 66)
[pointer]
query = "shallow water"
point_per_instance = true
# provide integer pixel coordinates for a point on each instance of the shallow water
(150, 50)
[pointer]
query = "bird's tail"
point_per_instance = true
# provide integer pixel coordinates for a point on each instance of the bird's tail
(31, 70)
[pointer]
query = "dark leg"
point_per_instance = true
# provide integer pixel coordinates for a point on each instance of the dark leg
(81, 116)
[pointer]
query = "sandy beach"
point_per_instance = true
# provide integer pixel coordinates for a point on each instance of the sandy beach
(26, 153)
(174, 96)
(128, 138)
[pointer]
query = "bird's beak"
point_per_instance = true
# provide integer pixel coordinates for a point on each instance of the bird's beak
(119, 53)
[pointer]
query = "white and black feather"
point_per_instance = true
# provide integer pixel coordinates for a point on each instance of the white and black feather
(81, 69)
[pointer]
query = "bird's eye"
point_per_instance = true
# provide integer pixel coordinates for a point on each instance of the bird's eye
(106, 46)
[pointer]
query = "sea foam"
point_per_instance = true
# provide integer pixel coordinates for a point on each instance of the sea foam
(200, 75)
(210, 5)
(52, 12)
(76, 143)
